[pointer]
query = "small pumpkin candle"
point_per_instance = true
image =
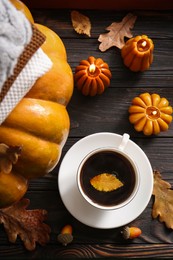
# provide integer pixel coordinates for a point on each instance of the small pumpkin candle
(92, 76)
(150, 113)
(137, 53)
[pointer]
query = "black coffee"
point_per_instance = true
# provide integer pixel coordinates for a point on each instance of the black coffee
(112, 163)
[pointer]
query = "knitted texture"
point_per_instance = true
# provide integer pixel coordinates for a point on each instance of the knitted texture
(15, 34)
(32, 64)
(37, 66)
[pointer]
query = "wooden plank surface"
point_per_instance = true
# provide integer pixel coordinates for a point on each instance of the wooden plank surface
(107, 113)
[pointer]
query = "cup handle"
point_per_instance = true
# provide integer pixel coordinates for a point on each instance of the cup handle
(125, 139)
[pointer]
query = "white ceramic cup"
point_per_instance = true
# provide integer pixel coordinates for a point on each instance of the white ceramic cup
(113, 160)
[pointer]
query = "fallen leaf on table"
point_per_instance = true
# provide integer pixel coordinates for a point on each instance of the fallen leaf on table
(117, 32)
(163, 203)
(28, 224)
(106, 182)
(8, 156)
(81, 23)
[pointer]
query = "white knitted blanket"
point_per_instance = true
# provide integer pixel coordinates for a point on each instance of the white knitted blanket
(17, 75)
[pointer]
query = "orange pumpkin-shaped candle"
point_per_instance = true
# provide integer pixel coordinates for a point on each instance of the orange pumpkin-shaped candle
(92, 76)
(150, 113)
(137, 53)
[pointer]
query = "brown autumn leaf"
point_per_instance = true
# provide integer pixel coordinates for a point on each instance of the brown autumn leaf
(27, 224)
(163, 203)
(81, 23)
(106, 182)
(8, 156)
(117, 32)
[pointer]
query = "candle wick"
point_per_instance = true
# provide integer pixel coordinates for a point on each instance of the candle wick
(92, 68)
(144, 44)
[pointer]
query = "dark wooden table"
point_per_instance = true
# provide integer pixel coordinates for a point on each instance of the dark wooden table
(107, 113)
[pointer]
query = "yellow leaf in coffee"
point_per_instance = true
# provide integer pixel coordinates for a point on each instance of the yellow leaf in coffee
(106, 182)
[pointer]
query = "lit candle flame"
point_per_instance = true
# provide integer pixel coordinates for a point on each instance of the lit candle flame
(92, 68)
(144, 44)
(154, 113)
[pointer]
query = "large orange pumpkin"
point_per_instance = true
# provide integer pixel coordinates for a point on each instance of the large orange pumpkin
(39, 124)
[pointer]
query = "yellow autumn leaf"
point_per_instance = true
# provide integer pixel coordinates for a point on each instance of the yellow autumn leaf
(81, 23)
(106, 182)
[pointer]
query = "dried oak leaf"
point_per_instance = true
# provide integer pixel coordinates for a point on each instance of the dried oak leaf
(106, 182)
(28, 224)
(81, 23)
(8, 156)
(117, 32)
(163, 203)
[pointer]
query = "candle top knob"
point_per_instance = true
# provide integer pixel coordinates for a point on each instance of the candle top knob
(152, 112)
(143, 45)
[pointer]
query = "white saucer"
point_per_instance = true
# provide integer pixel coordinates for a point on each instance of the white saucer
(77, 205)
